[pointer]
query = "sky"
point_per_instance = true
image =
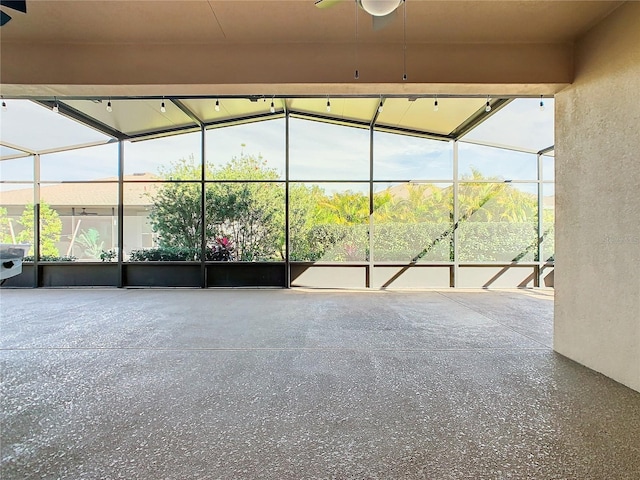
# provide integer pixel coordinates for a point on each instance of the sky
(521, 123)
(318, 151)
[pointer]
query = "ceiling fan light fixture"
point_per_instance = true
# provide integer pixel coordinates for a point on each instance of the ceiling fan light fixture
(379, 8)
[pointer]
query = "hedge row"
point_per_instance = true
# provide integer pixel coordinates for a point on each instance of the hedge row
(477, 242)
(168, 254)
(423, 242)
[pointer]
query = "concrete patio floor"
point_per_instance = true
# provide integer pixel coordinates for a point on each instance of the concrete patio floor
(295, 384)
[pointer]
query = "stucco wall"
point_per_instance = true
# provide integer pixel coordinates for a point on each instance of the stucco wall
(597, 277)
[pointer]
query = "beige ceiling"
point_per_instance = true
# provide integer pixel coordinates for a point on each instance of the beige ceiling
(273, 47)
(299, 21)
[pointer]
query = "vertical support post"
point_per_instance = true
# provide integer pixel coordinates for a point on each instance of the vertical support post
(203, 212)
(287, 240)
(371, 210)
(540, 227)
(121, 273)
(36, 220)
(456, 217)
(114, 228)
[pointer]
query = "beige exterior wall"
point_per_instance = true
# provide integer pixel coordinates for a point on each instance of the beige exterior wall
(597, 277)
(286, 69)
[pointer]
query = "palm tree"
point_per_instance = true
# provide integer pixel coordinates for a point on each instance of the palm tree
(346, 208)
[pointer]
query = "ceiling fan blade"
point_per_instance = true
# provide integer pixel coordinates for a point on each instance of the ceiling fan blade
(4, 18)
(326, 3)
(381, 22)
(84, 213)
(19, 5)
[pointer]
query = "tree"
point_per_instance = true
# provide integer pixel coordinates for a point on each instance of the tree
(244, 205)
(417, 203)
(250, 214)
(50, 229)
(498, 222)
(489, 199)
(344, 208)
(303, 201)
(5, 227)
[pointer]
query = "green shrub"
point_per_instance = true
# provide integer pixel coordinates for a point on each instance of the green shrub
(395, 242)
(497, 242)
(164, 254)
(421, 242)
(221, 251)
(51, 258)
(108, 255)
(412, 242)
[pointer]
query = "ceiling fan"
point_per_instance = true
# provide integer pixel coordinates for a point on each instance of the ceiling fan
(84, 212)
(382, 11)
(19, 5)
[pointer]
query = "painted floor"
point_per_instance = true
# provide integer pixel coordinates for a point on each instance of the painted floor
(295, 384)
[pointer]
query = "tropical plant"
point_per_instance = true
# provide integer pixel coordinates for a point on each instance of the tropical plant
(487, 199)
(90, 241)
(221, 251)
(343, 208)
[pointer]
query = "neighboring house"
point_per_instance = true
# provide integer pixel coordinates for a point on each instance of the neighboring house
(91, 205)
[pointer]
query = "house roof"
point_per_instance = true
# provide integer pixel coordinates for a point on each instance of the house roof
(103, 192)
